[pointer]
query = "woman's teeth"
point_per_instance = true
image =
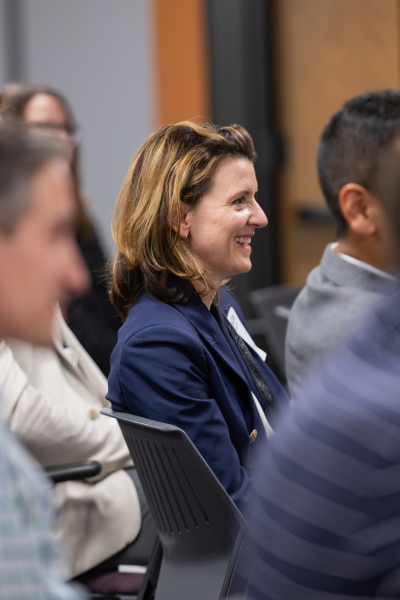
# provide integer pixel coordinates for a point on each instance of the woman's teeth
(243, 240)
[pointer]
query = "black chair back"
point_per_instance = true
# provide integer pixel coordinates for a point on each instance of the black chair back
(272, 306)
(199, 527)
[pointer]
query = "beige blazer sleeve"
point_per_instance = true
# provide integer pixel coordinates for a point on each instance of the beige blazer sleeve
(51, 398)
(54, 413)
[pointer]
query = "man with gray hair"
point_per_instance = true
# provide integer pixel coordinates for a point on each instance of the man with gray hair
(39, 265)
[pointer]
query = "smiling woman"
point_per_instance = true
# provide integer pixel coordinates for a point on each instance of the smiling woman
(219, 228)
(183, 223)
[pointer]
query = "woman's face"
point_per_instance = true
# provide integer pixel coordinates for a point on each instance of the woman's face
(221, 226)
(44, 114)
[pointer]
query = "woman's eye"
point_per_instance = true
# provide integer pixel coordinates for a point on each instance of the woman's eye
(238, 202)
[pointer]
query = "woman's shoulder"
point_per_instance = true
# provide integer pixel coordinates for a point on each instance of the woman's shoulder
(152, 313)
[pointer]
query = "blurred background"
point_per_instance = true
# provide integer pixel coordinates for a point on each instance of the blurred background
(278, 67)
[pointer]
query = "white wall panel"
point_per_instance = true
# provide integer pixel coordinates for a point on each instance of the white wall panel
(3, 43)
(99, 54)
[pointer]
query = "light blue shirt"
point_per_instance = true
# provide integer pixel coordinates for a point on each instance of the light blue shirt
(30, 560)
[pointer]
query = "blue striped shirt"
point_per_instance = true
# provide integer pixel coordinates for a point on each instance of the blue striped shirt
(325, 520)
(30, 560)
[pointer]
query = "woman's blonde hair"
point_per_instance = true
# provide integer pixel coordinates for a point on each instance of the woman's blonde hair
(175, 164)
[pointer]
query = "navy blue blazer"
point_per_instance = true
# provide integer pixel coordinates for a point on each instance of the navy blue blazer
(177, 363)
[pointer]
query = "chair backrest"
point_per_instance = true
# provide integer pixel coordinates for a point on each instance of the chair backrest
(272, 306)
(199, 526)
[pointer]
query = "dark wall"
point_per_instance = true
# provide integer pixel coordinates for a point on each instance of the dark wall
(240, 54)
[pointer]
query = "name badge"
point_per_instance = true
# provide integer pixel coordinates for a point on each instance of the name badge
(244, 334)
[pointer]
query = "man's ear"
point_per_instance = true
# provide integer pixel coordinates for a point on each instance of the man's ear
(357, 207)
(183, 226)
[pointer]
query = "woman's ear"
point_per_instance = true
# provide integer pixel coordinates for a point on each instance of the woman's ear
(183, 226)
(356, 205)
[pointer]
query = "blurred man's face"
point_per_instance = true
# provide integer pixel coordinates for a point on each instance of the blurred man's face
(40, 262)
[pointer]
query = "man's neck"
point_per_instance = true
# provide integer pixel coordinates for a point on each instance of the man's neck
(363, 250)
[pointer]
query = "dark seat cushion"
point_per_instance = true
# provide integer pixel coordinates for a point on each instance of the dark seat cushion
(111, 582)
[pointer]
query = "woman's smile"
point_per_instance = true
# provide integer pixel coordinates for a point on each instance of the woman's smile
(220, 228)
(244, 242)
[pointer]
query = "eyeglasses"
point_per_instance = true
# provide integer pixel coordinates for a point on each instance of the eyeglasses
(72, 134)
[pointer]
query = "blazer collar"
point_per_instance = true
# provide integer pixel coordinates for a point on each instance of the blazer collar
(207, 327)
(84, 367)
(345, 273)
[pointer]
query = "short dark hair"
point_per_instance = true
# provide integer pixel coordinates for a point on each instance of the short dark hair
(350, 144)
(388, 187)
(22, 155)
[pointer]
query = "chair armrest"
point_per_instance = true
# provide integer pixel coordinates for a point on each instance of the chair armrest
(73, 471)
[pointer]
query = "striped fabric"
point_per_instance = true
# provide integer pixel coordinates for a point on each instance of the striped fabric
(325, 521)
(30, 562)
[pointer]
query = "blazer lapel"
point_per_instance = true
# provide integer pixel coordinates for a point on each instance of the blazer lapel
(86, 370)
(207, 327)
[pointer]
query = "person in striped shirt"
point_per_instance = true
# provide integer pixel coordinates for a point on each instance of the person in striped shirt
(325, 517)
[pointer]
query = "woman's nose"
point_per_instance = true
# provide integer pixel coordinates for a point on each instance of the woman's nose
(258, 218)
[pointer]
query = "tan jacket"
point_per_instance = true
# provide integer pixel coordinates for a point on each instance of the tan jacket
(51, 398)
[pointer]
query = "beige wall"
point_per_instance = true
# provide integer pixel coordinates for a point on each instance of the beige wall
(181, 60)
(327, 51)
